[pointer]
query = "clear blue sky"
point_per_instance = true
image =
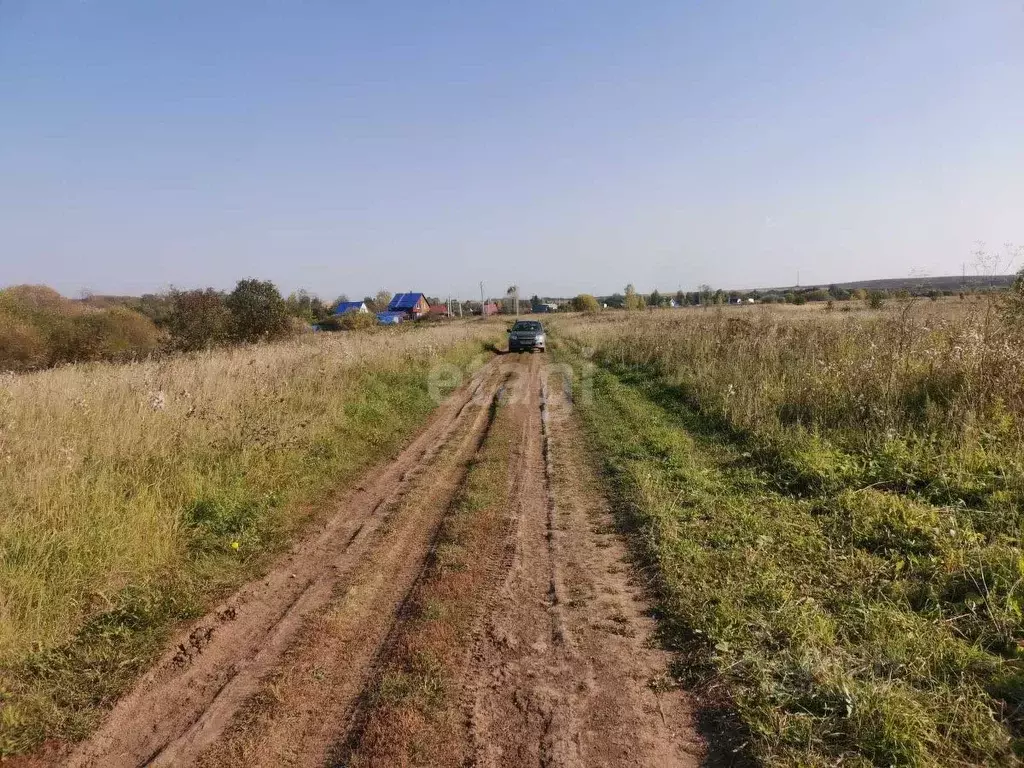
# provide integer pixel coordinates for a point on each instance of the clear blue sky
(565, 146)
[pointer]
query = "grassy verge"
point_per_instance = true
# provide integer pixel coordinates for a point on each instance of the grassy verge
(857, 627)
(925, 399)
(415, 716)
(134, 496)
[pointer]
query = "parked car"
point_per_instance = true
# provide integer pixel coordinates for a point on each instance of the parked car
(526, 335)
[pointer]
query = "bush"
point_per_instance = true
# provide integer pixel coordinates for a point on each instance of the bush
(258, 312)
(585, 303)
(34, 298)
(1012, 305)
(198, 319)
(121, 334)
(876, 299)
(350, 321)
(117, 334)
(42, 328)
(22, 346)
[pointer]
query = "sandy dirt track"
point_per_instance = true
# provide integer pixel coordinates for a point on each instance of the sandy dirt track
(561, 672)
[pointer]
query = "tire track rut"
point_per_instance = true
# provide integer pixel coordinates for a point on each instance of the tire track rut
(191, 695)
(564, 673)
(561, 671)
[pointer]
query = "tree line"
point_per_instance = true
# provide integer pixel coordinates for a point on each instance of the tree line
(707, 296)
(39, 328)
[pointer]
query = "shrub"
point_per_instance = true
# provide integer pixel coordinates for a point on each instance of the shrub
(22, 346)
(43, 328)
(258, 312)
(198, 319)
(121, 334)
(350, 321)
(34, 298)
(585, 303)
(876, 299)
(116, 334)
(354, 321)
(1012, 305)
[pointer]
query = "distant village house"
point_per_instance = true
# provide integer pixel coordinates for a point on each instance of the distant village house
(344, 307)
(413, 305)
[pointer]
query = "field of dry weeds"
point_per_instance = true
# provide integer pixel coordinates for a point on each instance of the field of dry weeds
(130, 494)
(832, 501)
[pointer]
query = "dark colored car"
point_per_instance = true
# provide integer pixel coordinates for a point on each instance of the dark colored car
(526, 335)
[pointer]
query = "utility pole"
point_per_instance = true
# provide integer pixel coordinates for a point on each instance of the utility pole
(481, 298)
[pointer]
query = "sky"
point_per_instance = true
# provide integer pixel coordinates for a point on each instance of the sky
(561, 146)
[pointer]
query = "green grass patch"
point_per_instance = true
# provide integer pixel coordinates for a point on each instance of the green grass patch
(847, 626)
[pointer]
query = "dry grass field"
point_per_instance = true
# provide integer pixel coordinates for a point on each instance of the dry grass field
(132, 494)
(832, 501)
(823, 505)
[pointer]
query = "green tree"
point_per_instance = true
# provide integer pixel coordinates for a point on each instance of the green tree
(379, 302)
(680, 298)
(655, 298)
(198, 319)
(306, 306)
(585, 303)
(258, 312)
(157, 307)
(633, 299)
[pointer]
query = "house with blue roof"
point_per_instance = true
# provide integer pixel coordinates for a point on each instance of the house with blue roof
(344, 307)
(413, 305)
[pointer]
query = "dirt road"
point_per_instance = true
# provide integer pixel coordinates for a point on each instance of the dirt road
(559, 669)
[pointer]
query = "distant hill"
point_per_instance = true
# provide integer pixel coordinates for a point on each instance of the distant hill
(943, 283)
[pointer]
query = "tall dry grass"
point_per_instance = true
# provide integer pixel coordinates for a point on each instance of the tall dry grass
(125, 480)
(834, 505)
(925, 394)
